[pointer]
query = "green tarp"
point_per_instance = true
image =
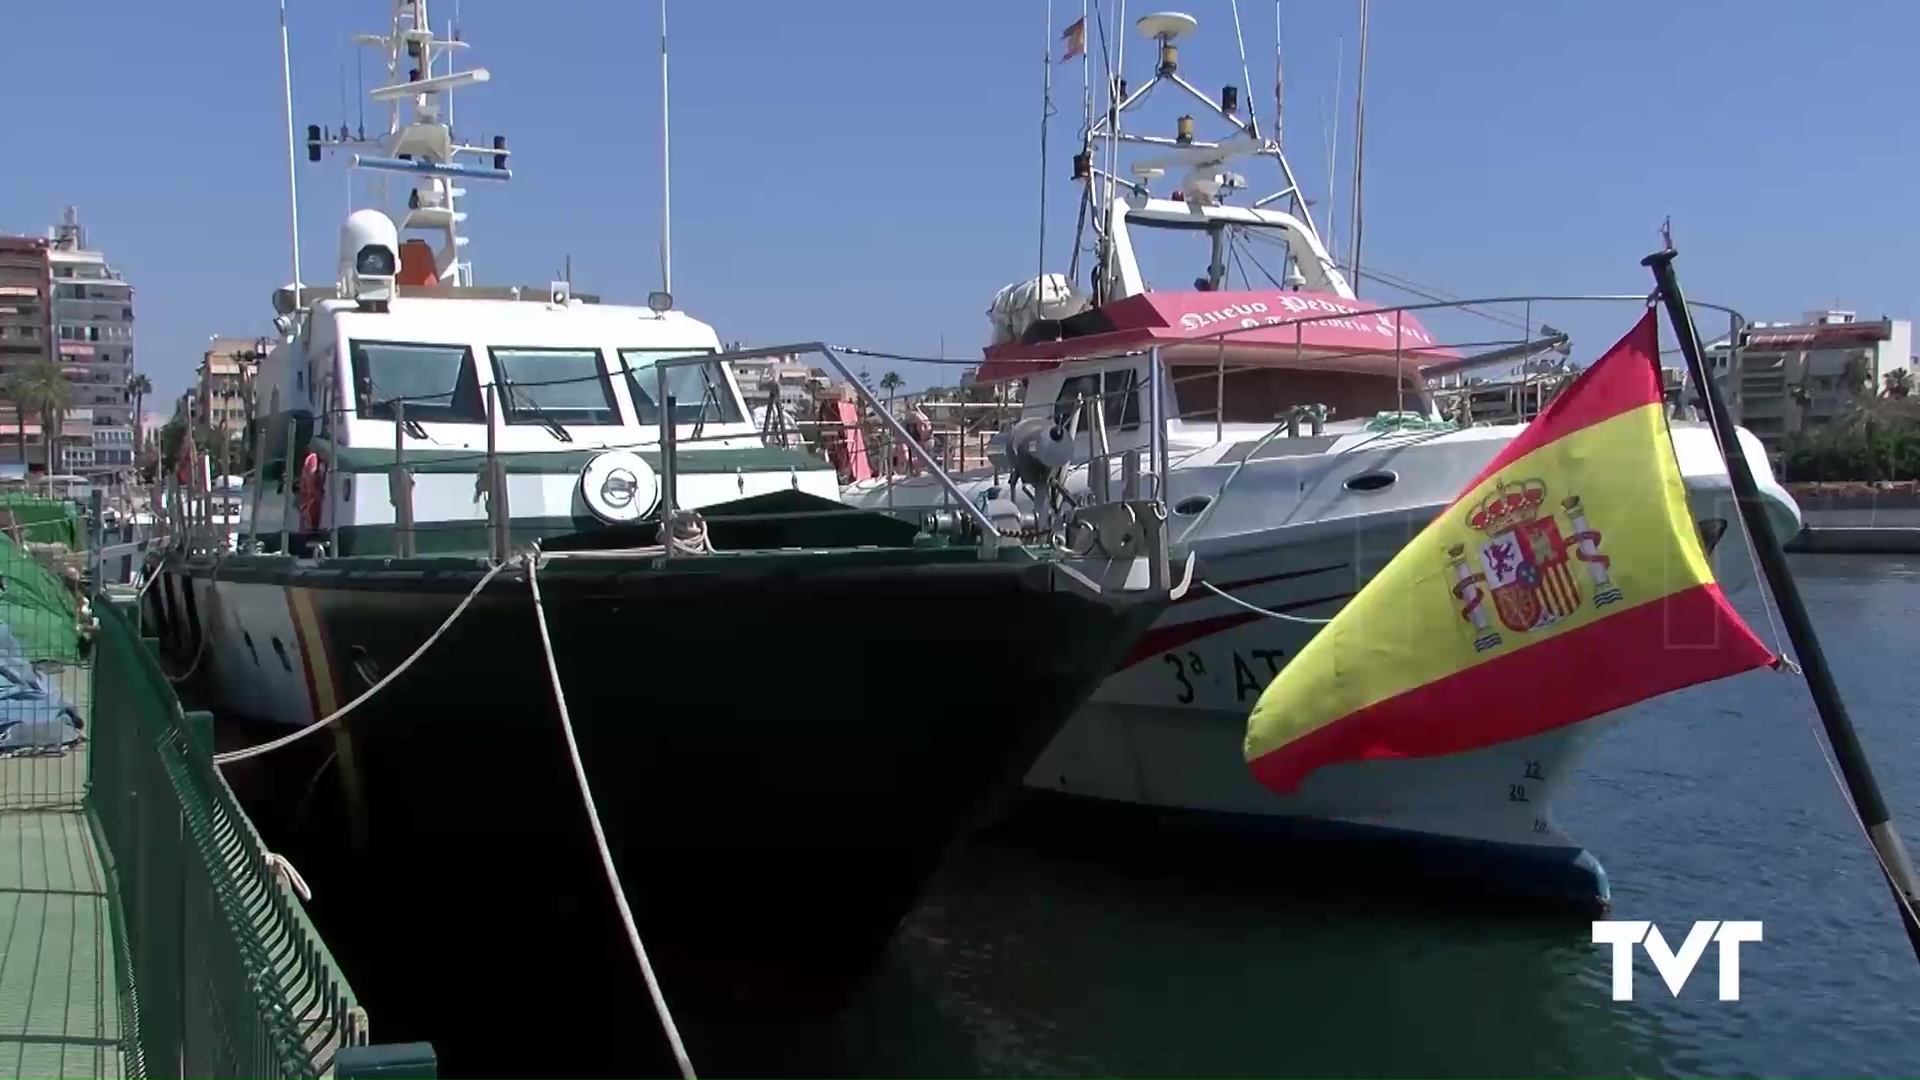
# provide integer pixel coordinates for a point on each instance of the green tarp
(37, 606)
(40, 520)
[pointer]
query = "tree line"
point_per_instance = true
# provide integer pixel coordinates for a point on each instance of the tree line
(42, 391)
(1877, 438)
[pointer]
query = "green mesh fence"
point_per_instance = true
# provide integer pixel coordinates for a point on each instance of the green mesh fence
(40, 519)
(220, 973)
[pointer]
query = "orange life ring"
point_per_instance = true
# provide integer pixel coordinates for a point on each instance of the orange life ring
(313, 484)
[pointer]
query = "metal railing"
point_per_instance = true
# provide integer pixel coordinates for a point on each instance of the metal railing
(669, 442)
(222, 974)
(1413, 361)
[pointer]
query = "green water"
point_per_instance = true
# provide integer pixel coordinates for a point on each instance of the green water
(1710, 804)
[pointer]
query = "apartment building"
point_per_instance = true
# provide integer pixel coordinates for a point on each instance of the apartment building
(226, 374)
(92, 307)
(1796, 376)
(26, 286)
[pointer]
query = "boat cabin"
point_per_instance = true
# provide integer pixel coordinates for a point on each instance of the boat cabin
(376, 373)
(1230, 356)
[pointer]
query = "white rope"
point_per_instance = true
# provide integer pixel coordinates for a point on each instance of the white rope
(279, 865)
(1257, 610)
(599, 834)
(200, 652)
(688, 534)
(286, 740)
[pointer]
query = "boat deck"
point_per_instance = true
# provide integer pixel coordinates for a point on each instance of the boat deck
(59, 1005)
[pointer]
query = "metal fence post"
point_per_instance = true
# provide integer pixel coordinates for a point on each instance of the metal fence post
(257, 474)
(400, 485)
(287, 480)
(668, 481)
(499, 521)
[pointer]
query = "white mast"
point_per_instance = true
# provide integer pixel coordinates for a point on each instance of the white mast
(293, 184)
(420, 141)
(666, 168)
(1359, 149)
(1187, 152)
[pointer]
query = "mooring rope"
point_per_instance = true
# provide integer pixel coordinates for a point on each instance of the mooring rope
(599, 834)
(1257, 610)
(287, 740)
(200, 652)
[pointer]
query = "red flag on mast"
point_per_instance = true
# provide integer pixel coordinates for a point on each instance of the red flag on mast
(1076, 39)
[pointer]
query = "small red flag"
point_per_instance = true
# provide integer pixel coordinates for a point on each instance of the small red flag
(1076, 39)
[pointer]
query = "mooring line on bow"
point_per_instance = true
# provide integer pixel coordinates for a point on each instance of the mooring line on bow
(232, 756)
(599, 834)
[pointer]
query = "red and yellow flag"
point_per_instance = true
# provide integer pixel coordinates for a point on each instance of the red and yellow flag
(1074, 41)
(1568, 580)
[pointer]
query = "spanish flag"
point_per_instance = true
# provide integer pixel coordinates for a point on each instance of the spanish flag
(1568, 580)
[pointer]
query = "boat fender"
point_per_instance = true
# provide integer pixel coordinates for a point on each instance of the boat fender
(1038, 450)
(313, 488)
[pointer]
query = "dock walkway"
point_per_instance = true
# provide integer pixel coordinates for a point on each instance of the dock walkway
(59, 1004)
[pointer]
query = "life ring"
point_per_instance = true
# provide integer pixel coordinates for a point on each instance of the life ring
(313, 484)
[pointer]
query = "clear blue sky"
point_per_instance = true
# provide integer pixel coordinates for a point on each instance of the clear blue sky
(866, 172)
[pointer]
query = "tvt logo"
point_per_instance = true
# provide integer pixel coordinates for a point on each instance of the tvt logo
(1624, 934)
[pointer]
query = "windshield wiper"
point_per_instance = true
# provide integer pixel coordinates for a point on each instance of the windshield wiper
(533, 409)
(710, 394)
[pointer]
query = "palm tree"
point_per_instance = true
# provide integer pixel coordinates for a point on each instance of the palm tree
(1896, 383)
(138, 387)
(890, 382)
(44, 389)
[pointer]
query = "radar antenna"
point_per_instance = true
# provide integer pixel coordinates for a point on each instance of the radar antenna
(420, 141)
(1198, 167)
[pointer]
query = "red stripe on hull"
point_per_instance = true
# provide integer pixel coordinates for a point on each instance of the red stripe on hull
(1162, 639)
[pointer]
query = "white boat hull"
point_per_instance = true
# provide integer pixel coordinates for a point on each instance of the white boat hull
(1165, 732)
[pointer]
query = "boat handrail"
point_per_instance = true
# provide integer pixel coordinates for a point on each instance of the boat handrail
(990, 536)
(1535, 337)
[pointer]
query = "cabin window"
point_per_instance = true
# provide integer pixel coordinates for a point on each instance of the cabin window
(700, 392)
(1117, 398)
(554, 386)
(434, 383)
(1262, 395)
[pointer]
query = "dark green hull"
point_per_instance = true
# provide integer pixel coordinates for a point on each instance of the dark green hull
(782, 749)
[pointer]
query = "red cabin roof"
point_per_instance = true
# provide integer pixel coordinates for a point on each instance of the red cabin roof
(1327, 329)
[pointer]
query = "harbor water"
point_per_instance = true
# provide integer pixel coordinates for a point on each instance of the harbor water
(1714, 803)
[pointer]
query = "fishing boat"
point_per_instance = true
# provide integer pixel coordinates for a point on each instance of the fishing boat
(523, 597)
(1303, 450)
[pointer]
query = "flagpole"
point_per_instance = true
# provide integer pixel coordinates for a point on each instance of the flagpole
(1868, 804)
(1046, 113)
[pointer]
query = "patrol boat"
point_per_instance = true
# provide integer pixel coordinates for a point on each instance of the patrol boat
(1303, 450)
(524, 597)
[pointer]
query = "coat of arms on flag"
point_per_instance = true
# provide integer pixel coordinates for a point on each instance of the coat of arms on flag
(1525, 564)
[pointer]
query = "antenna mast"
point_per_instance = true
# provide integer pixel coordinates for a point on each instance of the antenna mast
(1185, 152)
(293, 184)
(419, 141)
(1046, 114)
(666, 168)
(1333, 150)
(1359, 147)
